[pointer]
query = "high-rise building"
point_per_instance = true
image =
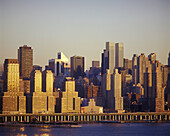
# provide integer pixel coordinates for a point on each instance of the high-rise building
(152, 57)
(25, 58)
(95, 64)
(119, 55)
(116, 91)
(77, 66)
(134, 69)
(42, 101)
(127, 65)
(142, 64)
(47, 80)
(70, 101)
(60, 65)
(158, 90)
(14, 101)
(169, 59)
(108, 58)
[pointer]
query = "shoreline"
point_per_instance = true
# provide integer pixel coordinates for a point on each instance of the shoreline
(72, 124)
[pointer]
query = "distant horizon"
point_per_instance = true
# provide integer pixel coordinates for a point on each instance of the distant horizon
(83, 27)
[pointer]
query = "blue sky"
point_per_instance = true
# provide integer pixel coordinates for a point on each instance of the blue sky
(81, 27)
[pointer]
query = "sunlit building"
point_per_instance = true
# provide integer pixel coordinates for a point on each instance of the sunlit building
(108, 58)
(119, 55)
(14, 101)
(92, 108)
(70, 102)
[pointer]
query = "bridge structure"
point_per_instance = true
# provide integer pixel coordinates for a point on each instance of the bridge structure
(78, 117)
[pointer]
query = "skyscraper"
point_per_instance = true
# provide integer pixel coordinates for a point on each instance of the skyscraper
(42, 101)
(152, 57)
(77, 66)
(158, 89)
(116, 91)
(60, 65)
(108, 58)
(106, 89)
(70, 100)
(119, 54)
(25, 58)
(169, 59)
(13, 100)
(142, 64)
(134, 69)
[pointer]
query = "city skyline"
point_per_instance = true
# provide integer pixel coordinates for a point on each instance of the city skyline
(82, 28)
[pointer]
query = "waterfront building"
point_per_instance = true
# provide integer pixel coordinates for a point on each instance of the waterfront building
(42, 102)
(70, 102)
(77, 66)
(108, 58)
(25, 58)
(92, 108)
(14, 101)
(158, 90)
(116, 91)
(119, 55)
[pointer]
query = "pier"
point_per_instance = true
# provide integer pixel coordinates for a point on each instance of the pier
(78, 117)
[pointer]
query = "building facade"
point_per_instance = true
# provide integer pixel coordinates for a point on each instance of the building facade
(14, 101)
(70, 102)
(108, 58)
(77, 66)
(25, 58)
(119, 55)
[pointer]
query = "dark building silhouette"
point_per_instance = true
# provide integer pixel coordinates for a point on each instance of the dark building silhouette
(25, 58)
(77, 66)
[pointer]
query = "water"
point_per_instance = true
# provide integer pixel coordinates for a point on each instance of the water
(127, 129)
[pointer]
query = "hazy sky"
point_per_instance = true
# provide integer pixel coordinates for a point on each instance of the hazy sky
(81, 27)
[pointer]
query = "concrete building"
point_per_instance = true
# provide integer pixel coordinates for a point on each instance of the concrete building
(77, 66)
(158, 90)
(134, 69)
(42, 102)
(116, 91)
(108, 58)
(106, 89)
(70, 102)
(47, 81)
(14, 101)
(119, 55)
(92, 108)
(127, 65)
(59, 66)
(95, 64)
(25, 58)
(152, 57)
(169, 59)
(37, 67)
(142, 64)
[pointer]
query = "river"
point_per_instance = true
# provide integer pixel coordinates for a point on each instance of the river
(126, 129)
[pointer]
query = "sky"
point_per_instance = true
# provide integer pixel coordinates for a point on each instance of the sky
(82, 27)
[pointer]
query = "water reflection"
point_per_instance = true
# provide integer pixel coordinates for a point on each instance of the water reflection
(45, 134)
(21, 134)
